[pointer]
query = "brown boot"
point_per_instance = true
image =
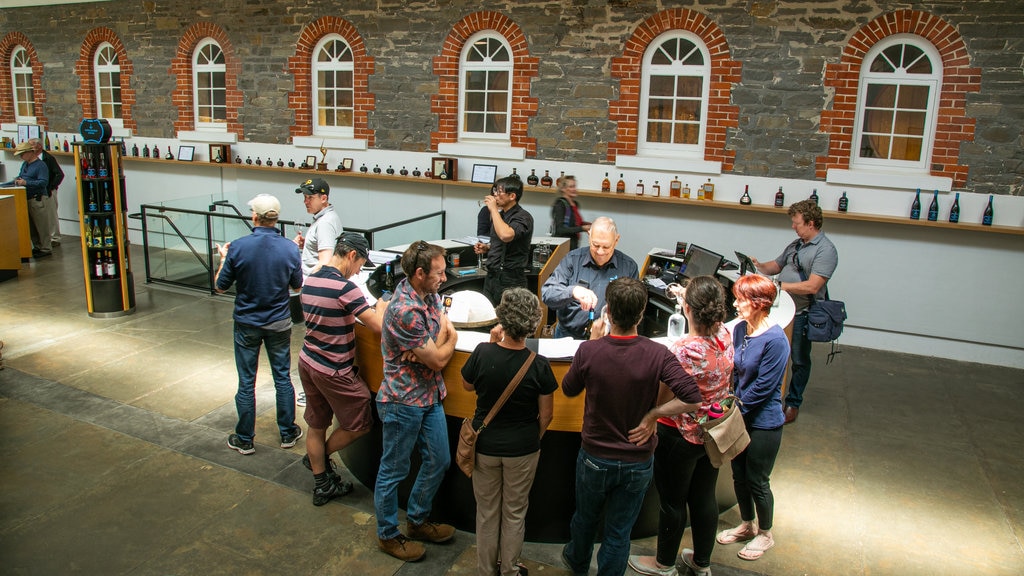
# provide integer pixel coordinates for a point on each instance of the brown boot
(431, 532)
(791, 414)
(402, 548)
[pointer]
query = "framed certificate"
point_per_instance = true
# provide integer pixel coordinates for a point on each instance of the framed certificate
(484, 173)
(346, 165)
(186, 153)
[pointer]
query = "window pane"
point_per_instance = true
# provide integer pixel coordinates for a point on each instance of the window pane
(499, 80)
(688, 110)
(906, 149)
(660, 58)
(474, 123)
(220, 98)
(659, 132)
(344, 79)
(326, 98)
(345, 98)
(662, 85)
(910, 123)
(116, 110)
(874, 146)
(878, 121)
(881, 95)
(691, 86)
(913, 97)
(345, 118)
(922, 66)
(204, 97)
(880, 64)
(658, 109)
(327, 117)
(496, 124)
(894, 54)
(475, 101)
(325, 79)
(476, 80)
(498, 102)
(686, 133)
(203, 81)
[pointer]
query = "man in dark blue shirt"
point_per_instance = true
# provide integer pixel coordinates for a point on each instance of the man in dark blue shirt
(36, 179)
(264, 265)
(576, 287)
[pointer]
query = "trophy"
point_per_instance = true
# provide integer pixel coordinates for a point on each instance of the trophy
(322, 164)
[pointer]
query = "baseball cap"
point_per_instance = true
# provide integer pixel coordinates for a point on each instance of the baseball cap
(265, 205)
(357, 242)
(313, 186)
(25, 146)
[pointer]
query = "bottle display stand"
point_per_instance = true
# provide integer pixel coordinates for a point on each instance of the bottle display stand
(109, 285)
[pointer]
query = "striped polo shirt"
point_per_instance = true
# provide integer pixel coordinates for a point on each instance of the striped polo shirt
(330, 304)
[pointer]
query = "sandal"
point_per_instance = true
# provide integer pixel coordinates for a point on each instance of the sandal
(756, 547)
(738, 534)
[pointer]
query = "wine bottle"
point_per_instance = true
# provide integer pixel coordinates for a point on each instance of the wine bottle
(532, 179)
(389, 277)
(416, 172)
(269, 161)
(590, 325)
(675, 188)
(66, 147)
(444, 172)
(87, 241)
(145, 150)
(780, 198)
(709, 190)
(391, 171)
(156, 152)
(686, 190)
(640, 187)
(87, 170)
(443, 175)
(108, 234)
(745, 199)
(814, 196)
(248, 159)
(110, 266)
(656, 189)
(97, 234)
(700, 192)
(238, 158)
(676, 325)
(92, 206)
(135, 149)
(844, 203)
(606, 184)
(97, 267)
(546, 180)
(280, 163)
(986, 217)
(403, 172)
(954, 211)
(620, 186)
(259, 161)
(915, 208)
(933, 208)
(46, 143)
(103, 165)
(107, 205)
(515, 174)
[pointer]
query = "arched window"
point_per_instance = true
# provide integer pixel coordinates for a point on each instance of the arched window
(485, 92)
(21, 81)
(674, 96)
(107, 71)
(333, 89)
(897, 104)
(209, 86)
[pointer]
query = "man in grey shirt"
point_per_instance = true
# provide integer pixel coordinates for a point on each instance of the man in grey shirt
(804, 268)
(318, 244)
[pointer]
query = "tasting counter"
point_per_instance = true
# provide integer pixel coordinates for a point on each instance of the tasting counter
(552, 498)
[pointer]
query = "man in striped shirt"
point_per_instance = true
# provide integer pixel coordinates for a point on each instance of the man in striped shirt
(331, 304)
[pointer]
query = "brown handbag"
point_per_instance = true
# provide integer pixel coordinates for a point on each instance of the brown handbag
(725, 437)
(465, 452)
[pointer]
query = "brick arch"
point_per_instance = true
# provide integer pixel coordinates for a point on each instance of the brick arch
(181, 68)
(87, 79)
(446, 67)
(721, 115)
(952, 125)
(300, 66)
(7, 45)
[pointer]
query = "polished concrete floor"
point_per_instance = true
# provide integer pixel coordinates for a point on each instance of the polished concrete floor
(114, 460)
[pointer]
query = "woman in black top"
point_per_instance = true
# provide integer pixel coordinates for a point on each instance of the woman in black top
(509, 448)
(566, 221)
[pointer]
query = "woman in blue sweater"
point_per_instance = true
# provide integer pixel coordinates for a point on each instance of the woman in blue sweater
(761, 354)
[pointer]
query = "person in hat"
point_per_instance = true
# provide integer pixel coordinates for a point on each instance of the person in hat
(263, 265)
(318, 244)
(36, 179)
(331, 304)
(56, 175)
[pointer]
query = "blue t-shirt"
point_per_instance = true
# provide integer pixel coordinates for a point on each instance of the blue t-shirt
(760, 363)
(265, 265)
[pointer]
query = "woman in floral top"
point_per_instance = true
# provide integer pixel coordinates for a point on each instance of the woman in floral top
(682, 471)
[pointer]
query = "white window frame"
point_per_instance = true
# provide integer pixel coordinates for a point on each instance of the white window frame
(104, 66)
(659, 149)
(207, 68)
(335, 66)
(21, 68)
(900, 77)
(488, 65)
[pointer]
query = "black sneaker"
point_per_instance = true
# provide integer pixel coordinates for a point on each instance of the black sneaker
(289, 440)
(236, 443)
(333, 490)
(331, 468)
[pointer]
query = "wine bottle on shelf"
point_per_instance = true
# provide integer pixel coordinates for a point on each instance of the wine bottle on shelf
(156, 152)
(391, 171)
(403, 172)
(986, 217)
(97, 267)
(954, 211)
(110, 266)
(46, 143)
(135, 149)
(363, 169)
(376, 169)
(814, 196)
(780, 198)
(443, 175)
(259, 161)
(97, 234)
(933, 208)
(709, 190)
(532, 179)
(107, 200)
(620, 186)
(656, 189)
(686, 190)
(103, 165)
(108, 235)
(675, 188)
(145, 150)
(640, 187)
(700, 192)
(66, 147)
(606, 184)
(515, 174)
(91, 206)
(86, 167)
(269, 162)
(87, 241)
(915, 208)
(745, 199)
(546, 180)
(844, 203)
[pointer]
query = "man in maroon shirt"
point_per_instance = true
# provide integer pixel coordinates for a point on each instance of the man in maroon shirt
(620, 373)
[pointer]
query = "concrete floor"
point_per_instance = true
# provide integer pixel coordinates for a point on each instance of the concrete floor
(114, 459)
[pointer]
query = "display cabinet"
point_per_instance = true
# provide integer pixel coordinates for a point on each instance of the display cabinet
(109, 285)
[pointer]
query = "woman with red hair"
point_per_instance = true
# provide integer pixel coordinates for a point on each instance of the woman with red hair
(761, 353)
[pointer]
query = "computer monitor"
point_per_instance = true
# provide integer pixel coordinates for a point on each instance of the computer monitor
(701, 262)
(746, 264)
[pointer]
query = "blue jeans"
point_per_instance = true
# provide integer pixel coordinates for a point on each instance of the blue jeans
(403, 429)
(618, 488)
(247, 356)
(801, 356)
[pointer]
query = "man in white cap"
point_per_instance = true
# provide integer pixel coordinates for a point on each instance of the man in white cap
(264, 265)
(36, 179)
(318, 243)
(56, 175)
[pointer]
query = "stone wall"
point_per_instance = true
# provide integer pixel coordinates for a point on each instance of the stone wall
(784, 48)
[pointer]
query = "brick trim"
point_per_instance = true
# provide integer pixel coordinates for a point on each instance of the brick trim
(952, 125)
(725, 72)
(181, 69)
(7, 45)
(446, 67)
(87, 78)
(301, 68)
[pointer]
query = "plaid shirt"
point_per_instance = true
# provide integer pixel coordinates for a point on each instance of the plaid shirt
(410, 322)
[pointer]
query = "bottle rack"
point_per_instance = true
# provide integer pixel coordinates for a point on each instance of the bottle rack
(102, 219)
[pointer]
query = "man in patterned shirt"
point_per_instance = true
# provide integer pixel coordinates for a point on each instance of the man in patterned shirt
(417, 341)
(331, 303)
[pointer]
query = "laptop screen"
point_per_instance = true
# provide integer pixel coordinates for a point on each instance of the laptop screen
(701, 262)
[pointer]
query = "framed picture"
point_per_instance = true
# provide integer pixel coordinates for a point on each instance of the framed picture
(447, 166)
(220, 153)
(185, 153)
(346, 165)
(484, 173)
(310, 161)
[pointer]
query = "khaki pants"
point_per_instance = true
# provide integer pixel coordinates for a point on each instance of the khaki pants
(41, 222)
(502, 490)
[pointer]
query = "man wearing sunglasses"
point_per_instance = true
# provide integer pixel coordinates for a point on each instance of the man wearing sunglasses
(508, 254)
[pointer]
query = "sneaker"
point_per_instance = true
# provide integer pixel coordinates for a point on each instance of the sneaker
(431, 532)
(687, 558)
(333, 490)
(236, 443)
(649, 565)
(300, 399)
(289, 440)
(402, 548)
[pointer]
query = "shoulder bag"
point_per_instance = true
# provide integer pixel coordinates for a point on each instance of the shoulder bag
(726, 436)
(465, 452)
(825, 319)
